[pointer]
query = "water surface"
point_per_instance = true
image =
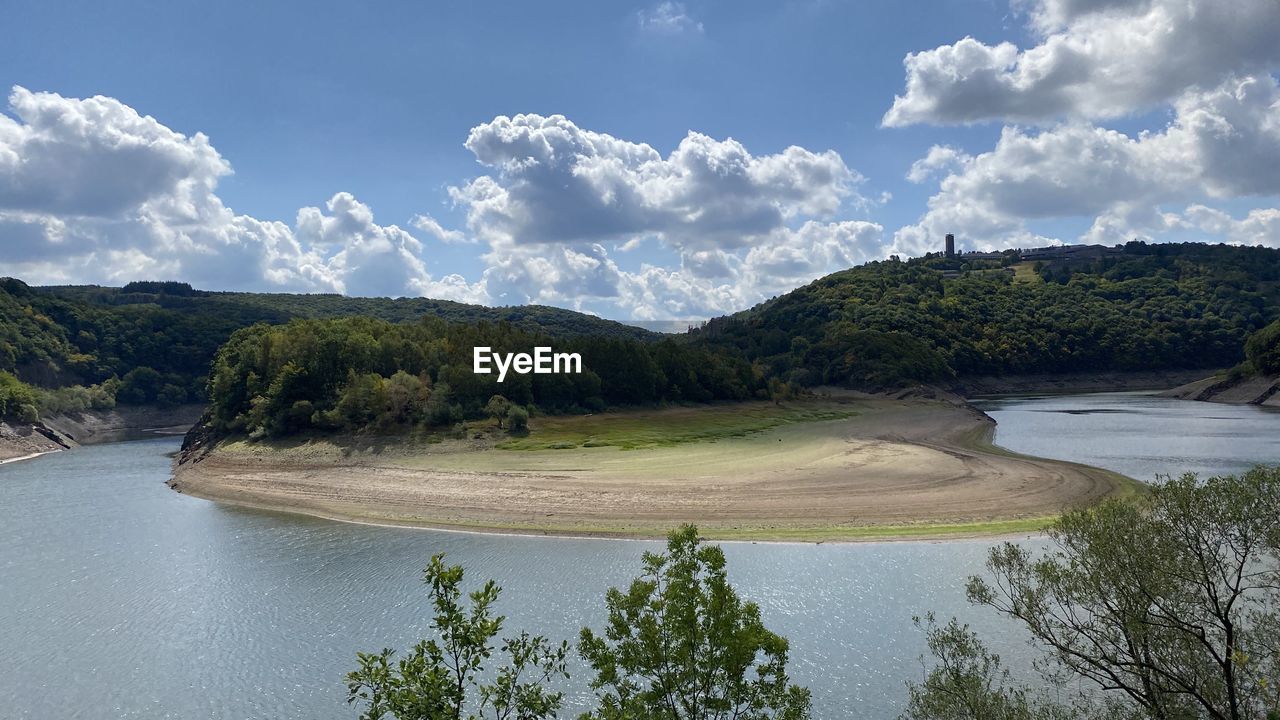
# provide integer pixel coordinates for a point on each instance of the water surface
(1138, 434)
(122, 599)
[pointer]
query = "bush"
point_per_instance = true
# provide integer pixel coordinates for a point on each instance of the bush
(170, 395)
(27, 413)
(363, 399)
(76, 398)
(139, 386)
(15, 398)
(517, 419)
(1263, 349)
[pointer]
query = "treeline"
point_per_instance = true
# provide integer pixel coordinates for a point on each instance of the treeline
(888, 323)
(880, 325)
(361, 373)
(166, 333)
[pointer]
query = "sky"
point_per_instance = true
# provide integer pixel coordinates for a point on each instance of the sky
(639, 161)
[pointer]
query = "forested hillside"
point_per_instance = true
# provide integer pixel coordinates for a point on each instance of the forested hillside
(158, 338)
(880, 325)
(888, 323)
(361, 373)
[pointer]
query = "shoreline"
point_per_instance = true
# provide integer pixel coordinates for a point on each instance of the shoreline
(91, 427)
(31, 456)
(900, 470)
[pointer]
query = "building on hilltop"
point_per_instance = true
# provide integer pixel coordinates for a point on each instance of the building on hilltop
(951, 246)
(1071, 252)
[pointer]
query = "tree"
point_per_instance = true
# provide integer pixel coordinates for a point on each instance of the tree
(1263, 349)
(517, 419)
(15, 398)
(681, 645)
(498, 408)
(362, 400)
(970, 682)
(140, 385)
(406, 397)
(440, 679)
(1169, 606)
(779, 390)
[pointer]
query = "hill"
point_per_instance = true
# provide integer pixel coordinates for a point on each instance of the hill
(934, 319)
(159, 338)
(881, 325)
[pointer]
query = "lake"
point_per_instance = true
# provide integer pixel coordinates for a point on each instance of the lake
(122, 599)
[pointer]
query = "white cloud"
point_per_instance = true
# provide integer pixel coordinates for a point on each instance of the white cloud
(1261, 226)
(738, 227)
(556, 182)
(668, 18)
(742, 226)
(941, 158)
(91, 191)
(1095, 59)
(94, 157)
(1222, 143)
(432, 227)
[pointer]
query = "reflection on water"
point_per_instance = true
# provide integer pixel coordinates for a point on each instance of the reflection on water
(122, 599)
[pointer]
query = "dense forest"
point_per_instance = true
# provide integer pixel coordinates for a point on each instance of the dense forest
(362, 373)
(152, 342)
(880, 325)
(1144, 307)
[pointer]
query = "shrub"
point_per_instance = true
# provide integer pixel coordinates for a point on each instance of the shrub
(1263, 349)
(517, 419)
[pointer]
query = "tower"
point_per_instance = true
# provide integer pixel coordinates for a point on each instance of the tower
(951, 245)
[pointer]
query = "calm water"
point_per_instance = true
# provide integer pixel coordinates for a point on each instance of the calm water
(1138, 434)
(122, 599)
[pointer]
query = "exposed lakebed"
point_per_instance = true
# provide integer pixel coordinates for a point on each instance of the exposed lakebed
(122, 599)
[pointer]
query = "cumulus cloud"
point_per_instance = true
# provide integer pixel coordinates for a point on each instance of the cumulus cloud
(1223, 142)
(741, 225)
(68, 157)
(432, 227)
(1261, 226)
(92, 191)
(941, 158)
(556, 182)
(1094, 59)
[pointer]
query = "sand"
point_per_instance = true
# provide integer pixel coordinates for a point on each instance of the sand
(901, 468)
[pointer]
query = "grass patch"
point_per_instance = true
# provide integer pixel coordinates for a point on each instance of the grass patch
(1026, 272)
(765, 533)
(634, 430)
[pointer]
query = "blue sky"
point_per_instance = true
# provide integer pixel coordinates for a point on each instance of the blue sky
(358, 117)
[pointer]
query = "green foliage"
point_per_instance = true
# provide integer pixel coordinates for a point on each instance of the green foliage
(969, 682)
(83, 335)
(681, 645)
(665, 428)
(1170, 606)
(517, 419)
(365, 374)
(17, 399)
(877, 326)
(893, 323)
(74, 399)
(498, 407)
(442, 678)
(1263, 349)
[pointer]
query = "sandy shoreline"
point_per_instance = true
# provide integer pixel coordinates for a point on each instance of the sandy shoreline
(900, 469)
